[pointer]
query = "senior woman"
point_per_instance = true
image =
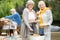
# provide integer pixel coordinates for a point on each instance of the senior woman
(16, 20)
(29, 18)
(45, 20)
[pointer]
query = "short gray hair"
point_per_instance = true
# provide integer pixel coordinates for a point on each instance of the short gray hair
(29, 2)
(40, 2)
(12, 9)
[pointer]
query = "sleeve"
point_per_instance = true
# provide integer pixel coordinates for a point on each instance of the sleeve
(49, 16)
(9, 17)
(25, 18)
(18, 19)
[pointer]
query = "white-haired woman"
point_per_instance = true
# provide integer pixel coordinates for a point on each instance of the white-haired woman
(29, 17)
(15, 16)
(16, 19)
(45, 20)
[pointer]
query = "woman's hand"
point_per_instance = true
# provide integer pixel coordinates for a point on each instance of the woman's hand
(31, 29)
(43, 25)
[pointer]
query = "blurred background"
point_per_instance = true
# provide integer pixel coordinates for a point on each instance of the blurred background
(6, 5)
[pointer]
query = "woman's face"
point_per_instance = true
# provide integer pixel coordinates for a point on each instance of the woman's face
(12, 12)
(42, 5)
(30, 6)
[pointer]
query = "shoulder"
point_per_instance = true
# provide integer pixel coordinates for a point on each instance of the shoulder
(48, 10)
(25, 10)
(16, 14)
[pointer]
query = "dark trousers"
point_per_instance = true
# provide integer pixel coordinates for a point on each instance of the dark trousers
(33, 26)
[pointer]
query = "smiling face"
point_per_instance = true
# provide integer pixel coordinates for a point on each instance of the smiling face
(12, 11)
(41, 5)
(30, 6)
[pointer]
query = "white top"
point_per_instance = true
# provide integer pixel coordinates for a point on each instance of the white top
(31, 16)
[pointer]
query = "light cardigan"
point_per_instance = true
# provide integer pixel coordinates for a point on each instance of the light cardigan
(45, 18)
(25, 16)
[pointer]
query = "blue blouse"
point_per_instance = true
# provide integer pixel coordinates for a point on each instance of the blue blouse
(15, 17)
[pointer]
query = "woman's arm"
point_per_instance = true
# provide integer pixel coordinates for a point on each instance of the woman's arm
(25, 18)
(9, 17)
(49, 16)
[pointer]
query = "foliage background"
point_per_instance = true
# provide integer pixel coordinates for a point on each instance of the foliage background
(6, 5)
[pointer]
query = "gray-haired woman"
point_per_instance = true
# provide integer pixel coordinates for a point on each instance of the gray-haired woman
(29, 19)
(45, 17)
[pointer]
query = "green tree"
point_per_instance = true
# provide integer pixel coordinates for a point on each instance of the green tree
(6, 5)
